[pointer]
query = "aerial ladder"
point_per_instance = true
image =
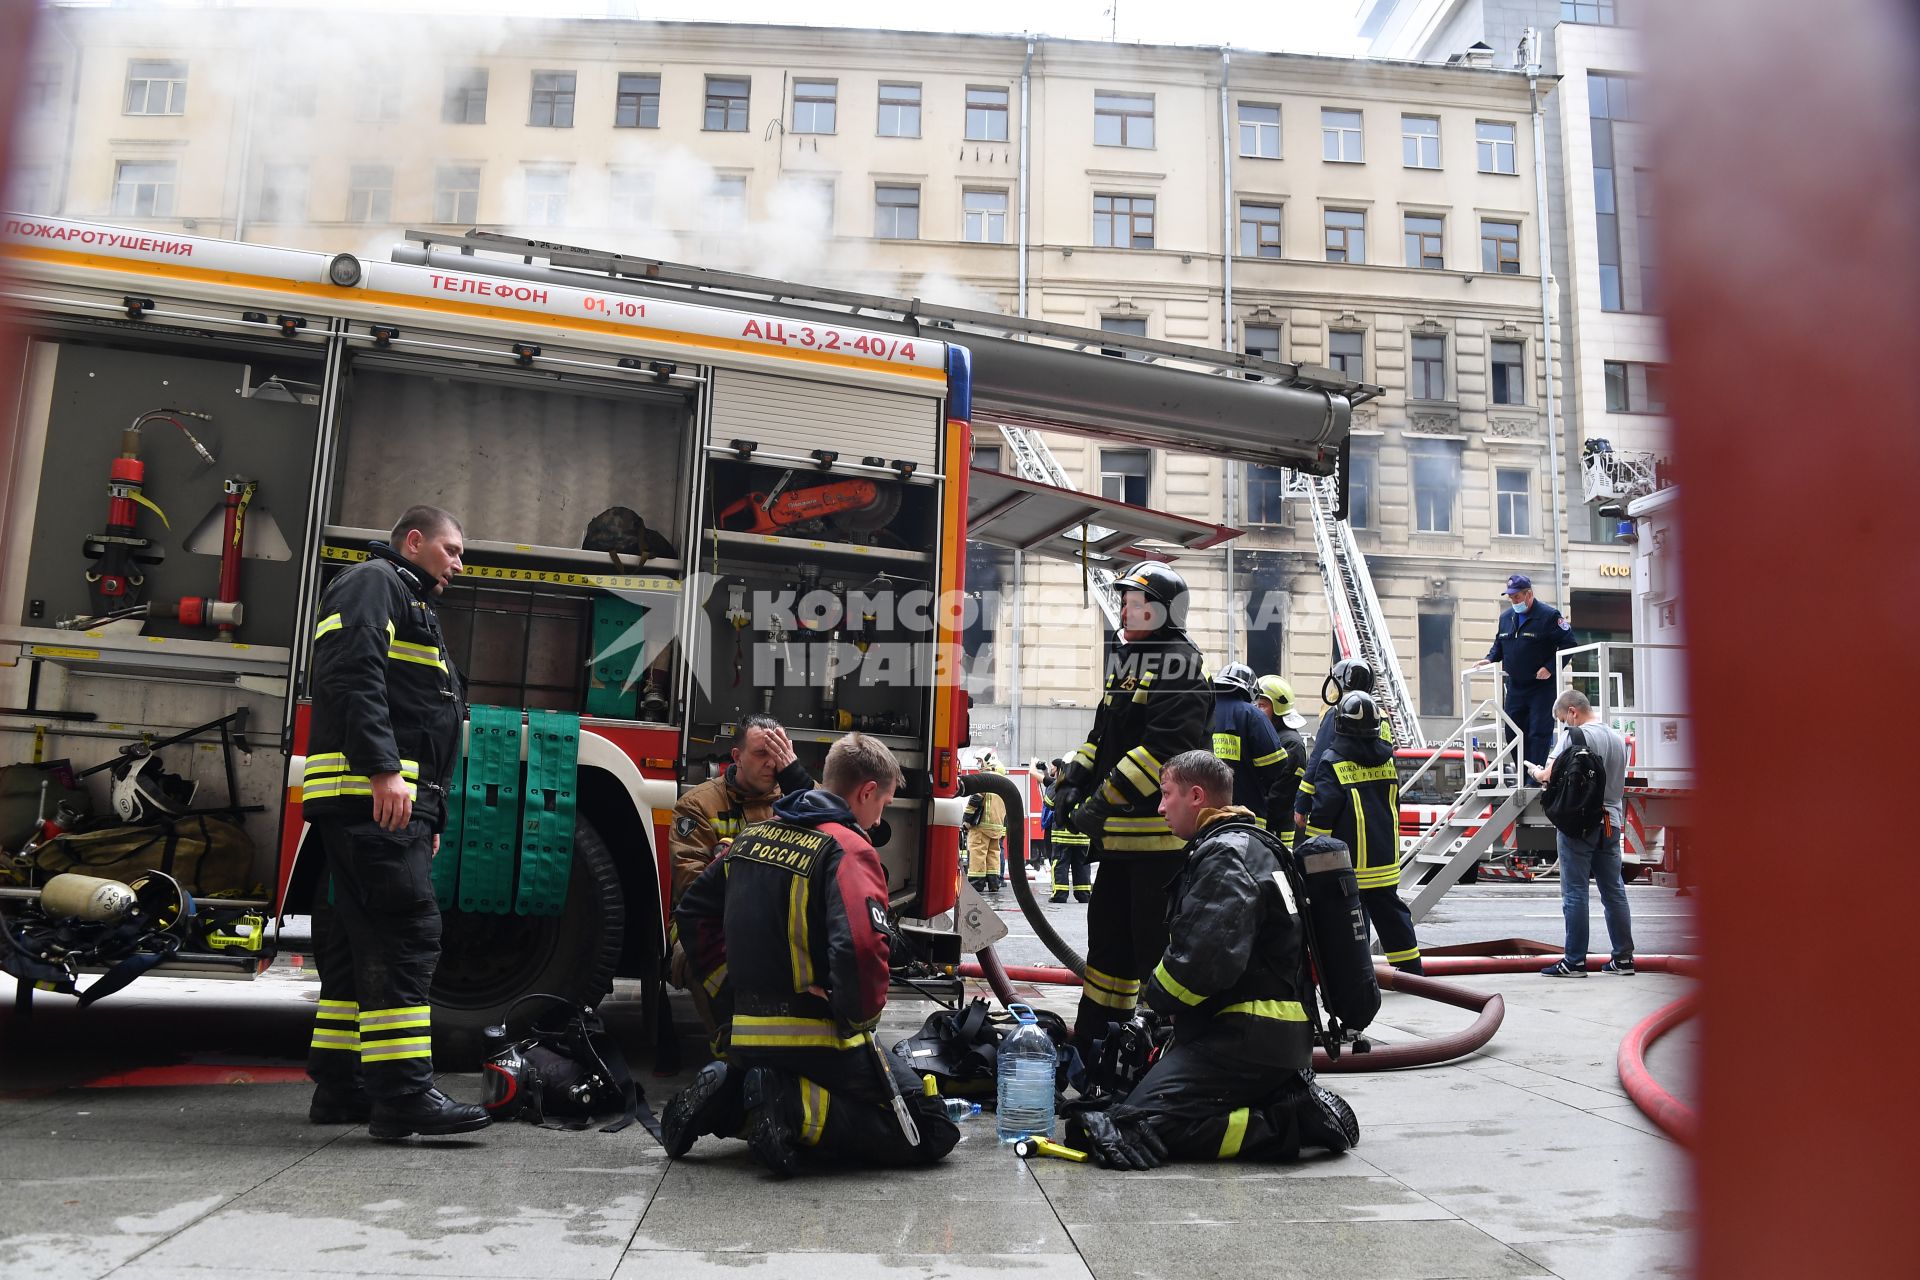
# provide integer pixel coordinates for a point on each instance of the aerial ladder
(1359, 624)
(1034, 461)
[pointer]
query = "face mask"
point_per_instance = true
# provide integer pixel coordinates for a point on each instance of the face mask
(1519, 608)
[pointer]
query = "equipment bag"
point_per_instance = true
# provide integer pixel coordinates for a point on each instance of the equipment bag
(209, 856)
(1576, 793)
(959, 1049)
(565, 1073)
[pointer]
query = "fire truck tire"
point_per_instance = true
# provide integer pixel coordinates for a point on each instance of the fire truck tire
(488, 961)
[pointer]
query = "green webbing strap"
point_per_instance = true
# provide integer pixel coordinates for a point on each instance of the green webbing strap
(617, 636)
(546, 828)
(491, 812)
(446, 864)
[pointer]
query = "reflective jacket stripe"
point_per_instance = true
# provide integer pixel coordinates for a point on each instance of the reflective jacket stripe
(762, 1031)
(329, 623)
(1278, 1010)
(1173, 986)
(1236, 1133)
(797, 953)
(394, 1050)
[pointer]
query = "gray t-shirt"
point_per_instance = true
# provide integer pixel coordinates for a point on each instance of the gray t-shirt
(1604, 741)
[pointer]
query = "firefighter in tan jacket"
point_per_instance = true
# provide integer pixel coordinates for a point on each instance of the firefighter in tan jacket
(709, 815)
(988, 814)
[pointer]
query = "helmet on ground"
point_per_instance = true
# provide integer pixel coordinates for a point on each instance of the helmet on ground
(1279, 694)
(144, 791)
(1235, 676)
(1347, 676)
(1160, 584)
(1358, 716)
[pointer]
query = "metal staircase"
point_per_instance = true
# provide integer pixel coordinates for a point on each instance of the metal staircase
(1034, 461)
(1360, 626)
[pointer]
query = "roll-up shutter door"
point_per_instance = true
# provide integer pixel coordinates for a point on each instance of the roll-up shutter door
(788, 415)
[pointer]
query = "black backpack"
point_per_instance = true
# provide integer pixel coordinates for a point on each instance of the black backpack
(960, 1048)
(1576, 793)
(564, 1074)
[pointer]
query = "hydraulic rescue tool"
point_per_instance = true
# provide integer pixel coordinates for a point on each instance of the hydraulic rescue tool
(854, 506)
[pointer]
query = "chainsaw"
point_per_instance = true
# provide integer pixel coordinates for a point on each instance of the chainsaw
(853, 507)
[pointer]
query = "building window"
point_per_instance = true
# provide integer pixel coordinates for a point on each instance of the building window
(1595, 12)
(378, 98)
(552, 100)
(636, 104)
(1609, 99)
(1132, 327)
(1262, 340)
(1429, 369)
(1259, 230)
(896, 213)
(1266, 494)
(730, 201)
(1346, 353)
(816, 106)
(1346, 235)
(1340, 136)
(370, 193)
(1436, 664)
(1436, 484)
(465, 98)
(156, 88)
(984, 216)
(456, 195)
(1123, 222)
(1420, 142)
(1494, 141)
(986, 457)
(726, 104)
(1513, 499)
(1635, 388)
(546, 197)
(41, 93)
(144, 188)
(899, 110)
(1508, 384)
(1122, 119)
(1363, 465)
(1260, 130)
(1500, 247)
(1124, 474)
(1644, 237)
(30, 189)
(629, 198)
(1424, 236)
(809, 200)
(986, 113)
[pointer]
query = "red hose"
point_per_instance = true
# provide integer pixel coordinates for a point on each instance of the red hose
(1675, 1118)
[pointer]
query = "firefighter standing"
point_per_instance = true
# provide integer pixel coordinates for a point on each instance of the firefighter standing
(385, 737)
(1243, 736)
(1349, 675)
(763, 769)
(987, 814)
(1157, 704)
(795, 918)
(1072, 852)
(1354, 792)
(1234, 1083)
(1275, 697)
(1526, 645)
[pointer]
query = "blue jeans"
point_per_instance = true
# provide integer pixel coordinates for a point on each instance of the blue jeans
(1597, 858)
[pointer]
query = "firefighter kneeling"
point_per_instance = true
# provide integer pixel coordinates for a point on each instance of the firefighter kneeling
(1235, 1082)
(789, 931)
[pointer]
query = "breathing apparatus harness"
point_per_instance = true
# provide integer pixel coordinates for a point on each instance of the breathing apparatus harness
(86, 922)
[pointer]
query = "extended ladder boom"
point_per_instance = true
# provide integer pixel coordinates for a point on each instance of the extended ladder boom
(1359, 625)
(1035, 461)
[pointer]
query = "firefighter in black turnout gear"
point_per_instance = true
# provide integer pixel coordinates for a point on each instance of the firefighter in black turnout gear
(789, 930)
(1243, 736)
(1274, 696)
(1355, 796)
(385, 737)
(1234, 1083)
(1157, 704)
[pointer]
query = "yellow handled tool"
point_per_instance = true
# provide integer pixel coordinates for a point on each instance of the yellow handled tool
(1027, 1148)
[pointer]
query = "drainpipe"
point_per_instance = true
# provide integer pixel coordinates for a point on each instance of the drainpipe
(1026, 75)
(1014, 689)
(1226, 321)
(1532, 44)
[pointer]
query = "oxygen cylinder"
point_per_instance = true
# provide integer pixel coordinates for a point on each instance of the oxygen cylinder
(86, 898)
(1341, 949)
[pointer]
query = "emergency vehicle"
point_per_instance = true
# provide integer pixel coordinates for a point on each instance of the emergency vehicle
(687, 497)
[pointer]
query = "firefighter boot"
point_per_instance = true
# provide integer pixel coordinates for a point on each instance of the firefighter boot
(340, 1104)
(1325, 1119)
(429, 1113)
(710, 1105)
(769, 1134)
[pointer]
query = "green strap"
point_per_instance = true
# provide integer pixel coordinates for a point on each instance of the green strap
(546, 828)
(488, 839)
(617, 635)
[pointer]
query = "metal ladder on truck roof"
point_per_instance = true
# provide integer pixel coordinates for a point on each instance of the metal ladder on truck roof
(1359, 625)
(1034, 461)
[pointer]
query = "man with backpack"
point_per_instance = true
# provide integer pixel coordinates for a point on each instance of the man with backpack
(1586, 778)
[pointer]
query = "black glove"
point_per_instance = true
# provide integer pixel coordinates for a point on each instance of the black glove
(1133, 1146)
(1089, 816)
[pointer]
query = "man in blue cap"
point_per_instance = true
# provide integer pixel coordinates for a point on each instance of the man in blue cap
(1531, 632)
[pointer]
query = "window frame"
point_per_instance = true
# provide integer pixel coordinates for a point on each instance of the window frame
(558, 101)
(987, 112)
(373, 191)
(1363, 478)
(1270, 483)
(174, 99)
(1437, 659)
(1127, 116)
(1604, 13)
(619, 195)
(881, 206)
(551, 200)
(1418, 140)
(1429, 452)
(1488, 150)
(1425, 370)
(1260, 226)
(1247, 328)
(1516, 382)
(987, 216)
(1521, 504)
(1426, 242)
(466, 86)
(442, 190)
(1637, 381)
(830, 100)
(1126, 454)
(1493, 261)
(1337, 134)
(635, 98)
(1133, 215)
(730, 205)
(901, 104)
(717, 99)
(169, 188)
(1346, 233)
(271, 210)
(1260, 128)
(1336, 359)
(1125, 326)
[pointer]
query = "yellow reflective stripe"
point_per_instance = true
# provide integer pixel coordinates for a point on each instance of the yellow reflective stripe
(1272, 757)
(1086, 753)
(397, 654)
(1354, 774)
(1236, 1133)
(338, 1009)
(332, 762)
(1378, 877)
(1110, 793)
(410, 1016)
(329, 787)
(326, 760)
(1174, 987)
(1110, 991)
(1359, 828)
(726, 826)
(1401, 957)
(390, 1050)
(713, 981)
(1142, 844)
(813, 1112)
(1062, 836)
(1147, 761)
(1137, 824)
(1138, 777)
(345, 1041)
(424, 650)
(1226, 746)
(1278, 1010)
(1318, 831)
(797, 935)
(1140, 694)
(331, 622)
(1307, 788)
(763, 1031)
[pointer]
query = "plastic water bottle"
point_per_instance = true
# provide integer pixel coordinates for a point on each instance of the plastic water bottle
(1025, 1066)
(959, 1109)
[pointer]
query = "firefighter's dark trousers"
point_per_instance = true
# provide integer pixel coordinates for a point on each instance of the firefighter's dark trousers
(1072, 870)
(837, 1106)
(1393, 921)
(1208, 1106)
(376, 946)
(1126, 936)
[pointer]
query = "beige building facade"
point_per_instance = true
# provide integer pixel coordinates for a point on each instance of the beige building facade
(1372, 216)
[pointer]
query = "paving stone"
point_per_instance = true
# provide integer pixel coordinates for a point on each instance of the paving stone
(225, 1116)
(73, 1226)
(1627, 1255)
(1298, 1251)
(661, 1265)
(1196, 1194)
(807, 1216)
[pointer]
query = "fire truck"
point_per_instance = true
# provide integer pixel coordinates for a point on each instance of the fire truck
(687, 497)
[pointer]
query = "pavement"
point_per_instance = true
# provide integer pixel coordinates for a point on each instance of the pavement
(1523, 1160)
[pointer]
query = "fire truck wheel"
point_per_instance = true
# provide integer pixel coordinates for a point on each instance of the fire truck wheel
(488, 961)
